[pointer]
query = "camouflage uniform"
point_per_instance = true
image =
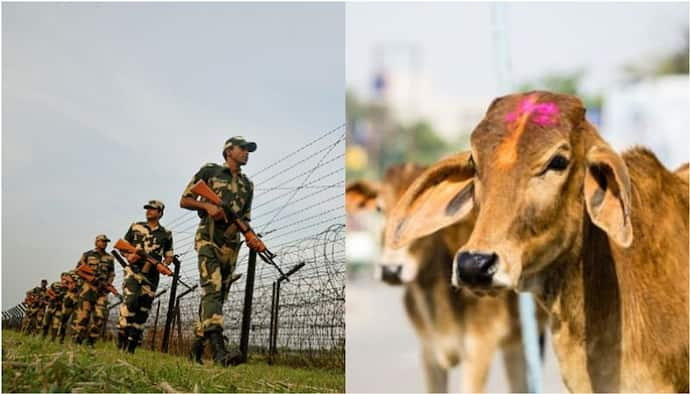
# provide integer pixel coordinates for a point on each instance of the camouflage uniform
(35, 310)
(139, 287)
(93, 297)
(69, 302)
(54, 305)
(217, 242)
(28, 311)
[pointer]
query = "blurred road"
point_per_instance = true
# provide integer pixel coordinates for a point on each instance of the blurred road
(383, 352)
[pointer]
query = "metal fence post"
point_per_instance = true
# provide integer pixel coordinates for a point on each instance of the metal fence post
(155, 326)
(247, 311)
(171, 306)
(275, 309)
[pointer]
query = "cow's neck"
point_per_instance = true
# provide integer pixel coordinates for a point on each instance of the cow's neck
(582, 295)
(607, 298)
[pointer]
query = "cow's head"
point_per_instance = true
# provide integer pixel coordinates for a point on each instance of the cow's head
(394, 266)
(536, 172)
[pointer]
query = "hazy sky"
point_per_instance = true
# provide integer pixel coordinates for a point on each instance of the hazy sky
(106, 106)
(457, 44)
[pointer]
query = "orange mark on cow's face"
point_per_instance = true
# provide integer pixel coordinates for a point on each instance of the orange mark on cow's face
(506, 154)
(542, 114)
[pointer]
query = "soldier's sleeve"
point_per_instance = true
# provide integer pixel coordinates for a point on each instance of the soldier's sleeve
(202, 174)
(129, 236)
(81, 261)
(168, 245)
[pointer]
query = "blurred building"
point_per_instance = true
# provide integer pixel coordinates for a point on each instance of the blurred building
(411, 97)
(653, 113)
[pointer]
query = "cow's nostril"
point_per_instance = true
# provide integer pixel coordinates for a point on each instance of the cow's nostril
(476, 268)
(391, 273)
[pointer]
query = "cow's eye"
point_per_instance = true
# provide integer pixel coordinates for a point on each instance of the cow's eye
(558, 163)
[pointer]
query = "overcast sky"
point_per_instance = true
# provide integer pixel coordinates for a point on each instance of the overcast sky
(457, 44)
(106, 106)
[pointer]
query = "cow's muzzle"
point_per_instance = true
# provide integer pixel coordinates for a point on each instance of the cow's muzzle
(475, 269)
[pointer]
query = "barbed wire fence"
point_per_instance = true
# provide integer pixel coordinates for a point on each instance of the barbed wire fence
(298, 209)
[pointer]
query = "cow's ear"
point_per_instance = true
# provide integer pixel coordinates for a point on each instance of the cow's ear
(361, 195)
(440, 196)
(607, 194)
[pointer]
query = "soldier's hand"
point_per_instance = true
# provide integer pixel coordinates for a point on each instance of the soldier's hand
(215, 212)
(254, 242)
(167, 260)
(133, 258)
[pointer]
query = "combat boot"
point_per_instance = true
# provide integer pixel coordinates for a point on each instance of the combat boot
(90, 342)
(45, 332)
(197, 350)
(122, 340)
(77, 340)
(133, 339)
(220, 355)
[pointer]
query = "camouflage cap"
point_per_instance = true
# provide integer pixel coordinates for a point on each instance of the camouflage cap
(102, 237)
(241, 142)
(155, 204)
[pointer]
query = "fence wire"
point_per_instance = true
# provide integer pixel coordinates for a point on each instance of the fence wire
(298, 209)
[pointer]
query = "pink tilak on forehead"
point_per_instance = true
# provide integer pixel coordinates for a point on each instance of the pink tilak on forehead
(543, 114)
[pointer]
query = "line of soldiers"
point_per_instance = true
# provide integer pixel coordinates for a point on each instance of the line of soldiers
(83, 292)
(49, 308)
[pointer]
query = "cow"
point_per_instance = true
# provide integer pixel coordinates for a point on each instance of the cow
(452, 325)
(600, 238)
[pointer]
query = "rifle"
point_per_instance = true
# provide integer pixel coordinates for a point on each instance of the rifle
(125, 266)
(124, 246)
(202, 189)
(88, 275)
(52, 294)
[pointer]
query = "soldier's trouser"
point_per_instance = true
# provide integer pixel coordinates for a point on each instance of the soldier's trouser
(49, 316)
(89, 314)
(39, 317)
(31, 314)
(216, 266)
(134, 310)
(69, 302)
(29, 317)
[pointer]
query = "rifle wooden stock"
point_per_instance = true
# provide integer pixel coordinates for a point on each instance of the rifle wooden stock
(86, 273)
(112, 289)
(202, 189)
(125, 246)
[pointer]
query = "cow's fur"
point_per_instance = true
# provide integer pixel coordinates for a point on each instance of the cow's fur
(453, 325)
(602, 243)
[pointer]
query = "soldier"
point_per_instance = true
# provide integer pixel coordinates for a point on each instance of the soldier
(69, 301)
(34, 311)
(28, 304)
(55, 292)
(217, 242)
(140, 284)
(93, 296)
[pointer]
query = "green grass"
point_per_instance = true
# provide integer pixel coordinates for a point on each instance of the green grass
(32, 364)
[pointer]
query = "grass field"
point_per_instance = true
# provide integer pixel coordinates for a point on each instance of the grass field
(32, 364)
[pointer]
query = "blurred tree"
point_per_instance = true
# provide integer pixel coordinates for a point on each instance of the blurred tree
(676, 62)
(426, 145)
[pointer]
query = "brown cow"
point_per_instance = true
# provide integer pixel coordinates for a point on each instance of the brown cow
(452, 325)
(601, 239)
